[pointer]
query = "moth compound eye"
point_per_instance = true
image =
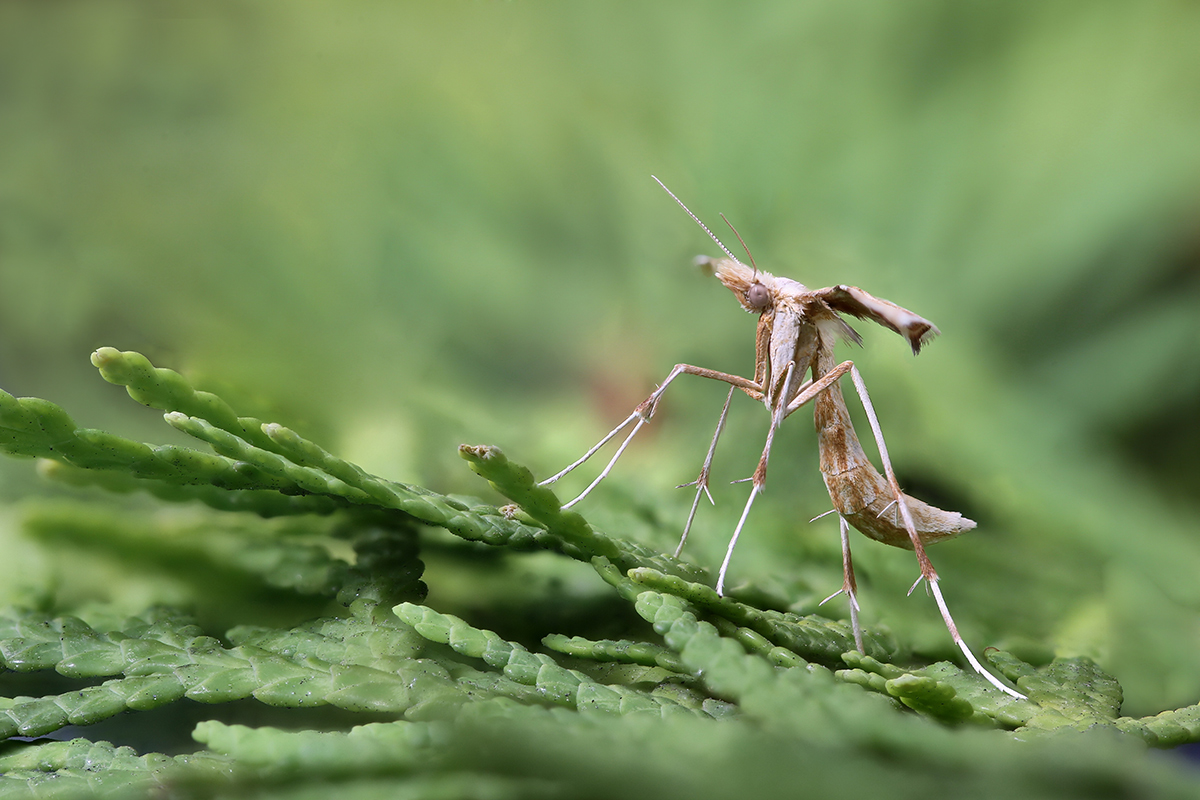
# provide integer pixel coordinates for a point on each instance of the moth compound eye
(757, 296)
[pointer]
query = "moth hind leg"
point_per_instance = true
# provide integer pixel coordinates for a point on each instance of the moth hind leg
(928, 573)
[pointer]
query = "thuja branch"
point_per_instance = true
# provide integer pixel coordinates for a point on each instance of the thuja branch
(716, 654)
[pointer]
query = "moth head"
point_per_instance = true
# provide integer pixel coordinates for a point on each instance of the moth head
(753, 288)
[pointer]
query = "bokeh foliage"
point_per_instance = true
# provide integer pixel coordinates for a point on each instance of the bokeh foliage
(404, 226)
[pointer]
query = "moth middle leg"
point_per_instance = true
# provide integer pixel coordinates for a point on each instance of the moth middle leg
(701, 482)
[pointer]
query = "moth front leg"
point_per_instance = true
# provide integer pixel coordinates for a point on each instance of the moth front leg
(642, 414)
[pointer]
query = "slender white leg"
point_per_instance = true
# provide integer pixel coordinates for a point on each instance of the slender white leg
(608, 468)
(849, 586)
(635, 415)
(928, 573)
(733, 540)
(760, 472)
(966, 651)
(642, 415)
(701, 482)
(927, 570)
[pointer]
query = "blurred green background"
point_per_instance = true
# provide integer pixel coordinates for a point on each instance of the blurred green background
(401, 226)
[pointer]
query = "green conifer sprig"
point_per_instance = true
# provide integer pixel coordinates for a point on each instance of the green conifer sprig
(720, 658)
(352, 761)
(298, 465)
(166, 659)
(781, 697)
(812, 637)
(557, 684)
(167, 390)
(256, 472)
(712, 651)
(263, 502)
(374, 748)
(541, 504)
(80, 768)
(30, 426)
(785, 639)
(1167, 729)
(920, 692)
(517, 484)
(726, 667)
(622, 651)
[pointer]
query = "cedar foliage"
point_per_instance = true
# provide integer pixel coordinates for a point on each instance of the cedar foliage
(400, 228)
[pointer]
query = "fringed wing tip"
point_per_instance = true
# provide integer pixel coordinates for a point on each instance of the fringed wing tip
(921, 334)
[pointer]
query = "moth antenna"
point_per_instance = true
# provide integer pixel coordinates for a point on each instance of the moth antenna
(701, 224)
(744, 247)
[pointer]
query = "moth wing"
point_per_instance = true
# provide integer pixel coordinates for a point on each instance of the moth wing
(854, 301)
